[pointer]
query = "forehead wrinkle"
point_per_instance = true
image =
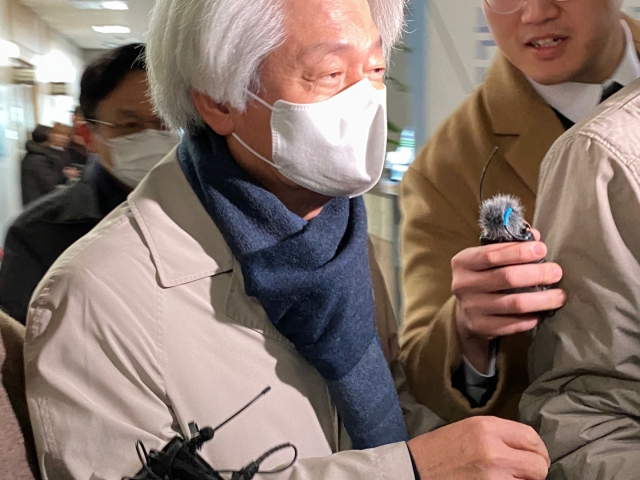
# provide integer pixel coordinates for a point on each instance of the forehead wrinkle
(330, 48)
(129, 111)
(325, 48)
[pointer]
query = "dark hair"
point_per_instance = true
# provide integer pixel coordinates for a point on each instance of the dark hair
(104, 74)
(40, 133)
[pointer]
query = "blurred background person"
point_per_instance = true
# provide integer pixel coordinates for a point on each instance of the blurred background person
(46, 165)
(558, 59)
(40, 134)
(129, 138)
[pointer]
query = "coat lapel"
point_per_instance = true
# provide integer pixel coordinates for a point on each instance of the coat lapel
(525, 125)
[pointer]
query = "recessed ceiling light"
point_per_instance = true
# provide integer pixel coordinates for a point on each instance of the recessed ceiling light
(115, 5)
(111, 29)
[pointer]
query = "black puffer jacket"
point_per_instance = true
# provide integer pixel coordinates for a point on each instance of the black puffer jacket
(47, 228)
(42, 171)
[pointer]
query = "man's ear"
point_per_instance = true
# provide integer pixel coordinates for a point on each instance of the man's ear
(218, 117)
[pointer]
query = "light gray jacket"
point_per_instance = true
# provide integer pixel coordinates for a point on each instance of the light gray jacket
(585, 361)
(144, 326)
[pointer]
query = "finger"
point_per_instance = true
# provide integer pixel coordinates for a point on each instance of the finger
(488, 257)
(493, 327)
(522, 437)
(489, 304)
(528, 466)
(509, 278)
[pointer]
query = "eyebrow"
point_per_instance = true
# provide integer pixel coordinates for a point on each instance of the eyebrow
(327, 48)
(127, 112)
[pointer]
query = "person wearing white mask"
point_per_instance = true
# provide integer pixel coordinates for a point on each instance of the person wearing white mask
(242, 262)
(129, 138)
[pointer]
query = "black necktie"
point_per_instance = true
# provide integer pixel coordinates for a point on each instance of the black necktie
(612, 89)
(566, 123)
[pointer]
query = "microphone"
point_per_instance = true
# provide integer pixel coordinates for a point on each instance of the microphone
(501, 218)
(501, 221)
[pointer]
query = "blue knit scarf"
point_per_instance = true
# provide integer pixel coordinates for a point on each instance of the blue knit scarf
(313, 280)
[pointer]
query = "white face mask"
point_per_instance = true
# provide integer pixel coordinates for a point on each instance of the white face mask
(335, 147)
(134, 155)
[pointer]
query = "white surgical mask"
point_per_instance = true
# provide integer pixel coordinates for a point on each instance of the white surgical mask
(335, 147)
(134, 155)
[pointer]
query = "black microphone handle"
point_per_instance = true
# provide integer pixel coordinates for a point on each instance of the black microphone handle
(528, 237)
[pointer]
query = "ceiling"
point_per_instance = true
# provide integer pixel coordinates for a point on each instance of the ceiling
(76, 23)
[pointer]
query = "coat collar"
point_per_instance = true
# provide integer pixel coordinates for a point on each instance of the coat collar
(185, 243)
(525, 125)
(575, 100)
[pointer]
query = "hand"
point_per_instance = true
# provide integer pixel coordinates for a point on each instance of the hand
(484, 311)
(71, 172)
(481, 448)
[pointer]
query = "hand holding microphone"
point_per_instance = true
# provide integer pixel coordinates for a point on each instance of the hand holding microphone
(501, 287)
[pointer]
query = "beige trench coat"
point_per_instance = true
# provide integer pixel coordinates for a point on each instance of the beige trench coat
(585, 361)
(143, 326)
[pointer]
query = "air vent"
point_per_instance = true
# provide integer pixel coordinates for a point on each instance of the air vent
(58, 88)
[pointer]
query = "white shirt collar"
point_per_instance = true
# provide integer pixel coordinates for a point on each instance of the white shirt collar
(576, 100)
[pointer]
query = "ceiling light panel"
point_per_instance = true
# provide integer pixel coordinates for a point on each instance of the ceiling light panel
(99, 5)
(111, 29)
(115, 5)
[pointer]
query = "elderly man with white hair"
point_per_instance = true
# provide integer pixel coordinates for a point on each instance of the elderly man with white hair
(241, 262)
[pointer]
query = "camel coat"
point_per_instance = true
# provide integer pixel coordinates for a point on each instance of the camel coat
(440, 202)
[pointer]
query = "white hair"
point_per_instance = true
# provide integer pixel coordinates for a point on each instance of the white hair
(216, 47)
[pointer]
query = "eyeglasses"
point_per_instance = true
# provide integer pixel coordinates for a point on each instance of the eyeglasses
(507, 7)
(131, 127)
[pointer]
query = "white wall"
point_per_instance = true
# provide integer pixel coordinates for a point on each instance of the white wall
(23, 106)
(449, 48)
(399, 102)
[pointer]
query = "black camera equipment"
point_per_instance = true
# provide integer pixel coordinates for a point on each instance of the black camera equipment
(179, 459)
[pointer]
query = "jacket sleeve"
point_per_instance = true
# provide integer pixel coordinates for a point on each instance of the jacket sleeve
(95, 386)
(585, 361)
(20, 271)
(94, 382)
